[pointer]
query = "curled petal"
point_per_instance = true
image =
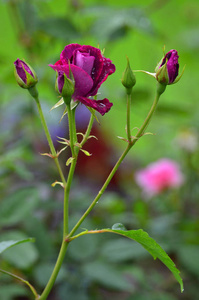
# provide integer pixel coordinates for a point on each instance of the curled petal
(83, 82)
(108, 68)
(67, 53)
(102, 106)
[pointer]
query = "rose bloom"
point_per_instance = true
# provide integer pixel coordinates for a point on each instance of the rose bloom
(89, 69)
(159, 176)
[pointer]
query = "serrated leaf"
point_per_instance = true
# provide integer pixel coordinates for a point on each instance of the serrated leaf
(147, 242)
(8, 244)
(152, 247)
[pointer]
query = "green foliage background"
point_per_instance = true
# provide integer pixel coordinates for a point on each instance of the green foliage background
(99, 267)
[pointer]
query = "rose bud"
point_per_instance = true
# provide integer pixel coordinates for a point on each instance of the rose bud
(24, 74)
(64, 86)
(167, 69)
(89, 69)
(128, 78)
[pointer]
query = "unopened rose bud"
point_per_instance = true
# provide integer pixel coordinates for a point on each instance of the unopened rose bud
(128, 78)
(167, 69)
(24, 74)
(64, 86)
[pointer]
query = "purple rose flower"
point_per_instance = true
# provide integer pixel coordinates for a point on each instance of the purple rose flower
(89, 69)
(24, 74)
(168, 68)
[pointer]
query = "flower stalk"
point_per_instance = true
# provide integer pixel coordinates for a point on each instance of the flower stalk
(80, 72)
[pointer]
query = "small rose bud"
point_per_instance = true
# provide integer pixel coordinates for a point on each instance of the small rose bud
(24, 74)
(128, 78)
(64, 86)
(167, 69)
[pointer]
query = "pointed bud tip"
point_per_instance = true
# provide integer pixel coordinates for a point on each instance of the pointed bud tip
(128, 79)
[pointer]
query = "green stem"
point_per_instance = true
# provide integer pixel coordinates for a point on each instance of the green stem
(71, 129)
(55, 272)
(52, 148)
(66, 197)
(129, 146)
(147, 120)
(64, 245)
(88, 130)
(128, 125)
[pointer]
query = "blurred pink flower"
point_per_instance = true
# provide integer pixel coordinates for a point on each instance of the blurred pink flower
(159, 176)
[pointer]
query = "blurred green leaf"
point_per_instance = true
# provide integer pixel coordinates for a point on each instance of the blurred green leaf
(111, 23)
(107, 275)
(23, 255)
(189, 257)
(11, 291)
(8, 244)
(121, 250)
(44, 241)
(42, 272)
(17, 206)
(60, 28)
(79, 249)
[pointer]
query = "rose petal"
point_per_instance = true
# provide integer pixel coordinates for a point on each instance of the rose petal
(108, 69)
(85, 61)
(102, 67)
(67, 53)
(102, 106)
(98, 63)
(20, 66)
(83, 82)
(172, 64)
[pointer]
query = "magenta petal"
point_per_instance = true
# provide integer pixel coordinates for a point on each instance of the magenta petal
(98, 63)
(102, 106)
(83, 82)
(85, 61)
(20, 65)
(172, 65)
(108, 69)
(171, 59)
(67, 53)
